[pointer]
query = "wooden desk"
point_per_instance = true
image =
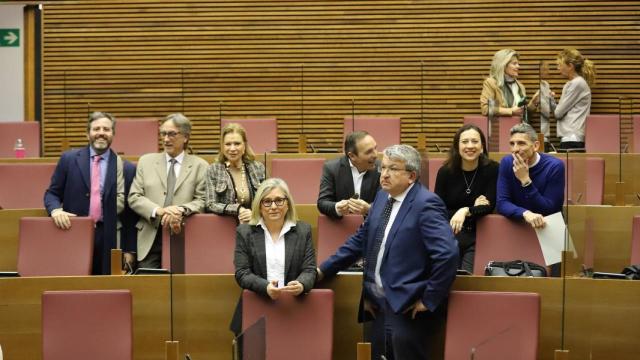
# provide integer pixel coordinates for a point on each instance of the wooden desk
(600, 316)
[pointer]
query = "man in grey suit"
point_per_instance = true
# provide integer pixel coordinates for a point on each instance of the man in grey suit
(168, 187)
(350, 183)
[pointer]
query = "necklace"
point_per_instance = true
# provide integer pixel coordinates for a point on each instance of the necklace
(242, 191)
(468, 184)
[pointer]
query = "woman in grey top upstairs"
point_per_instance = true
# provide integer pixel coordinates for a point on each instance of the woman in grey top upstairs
(575, 103)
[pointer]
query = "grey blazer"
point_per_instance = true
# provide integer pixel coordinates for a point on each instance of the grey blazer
(251, 266)
(220, 191)
(251, 263)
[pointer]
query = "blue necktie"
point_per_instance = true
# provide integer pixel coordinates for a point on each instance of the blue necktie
(372, 256)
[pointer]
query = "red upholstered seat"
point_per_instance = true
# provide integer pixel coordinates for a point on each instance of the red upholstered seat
(492, 325)
(135, 137)
(588, 187)
(602, 134)
(478, 120)
(28, 131)
(384, 129)
(45, 250)
(22, 185)
(501, 239)
(87, 324)
(332, 233)
(262, 133)
(635, 241)
(636, 134)
(434, 165)
(294, 325)
(302, 176)
(209, 243)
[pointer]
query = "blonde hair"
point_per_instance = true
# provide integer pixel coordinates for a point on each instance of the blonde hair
(583, 66)
(235, 128)
(265, 188)
(499, 62)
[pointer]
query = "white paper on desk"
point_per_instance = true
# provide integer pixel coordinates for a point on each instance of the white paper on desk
(552, 239)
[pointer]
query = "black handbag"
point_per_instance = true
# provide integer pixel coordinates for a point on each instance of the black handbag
(632, 272)
(515, 268)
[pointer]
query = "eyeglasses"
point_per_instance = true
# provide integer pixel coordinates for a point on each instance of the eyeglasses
(391, 169)
(269, 202)
(170, 134)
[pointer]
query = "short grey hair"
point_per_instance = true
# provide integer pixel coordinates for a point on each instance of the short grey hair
(97, 115)
(524, 128)
(406, 154)
(181, 122)
(263, 190)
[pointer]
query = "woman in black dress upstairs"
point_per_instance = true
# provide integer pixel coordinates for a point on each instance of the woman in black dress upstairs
(467, 185)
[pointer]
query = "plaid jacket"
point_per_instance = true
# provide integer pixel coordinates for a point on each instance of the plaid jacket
(221, 194)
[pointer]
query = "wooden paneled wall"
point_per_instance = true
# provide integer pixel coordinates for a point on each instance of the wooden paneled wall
(312, 62)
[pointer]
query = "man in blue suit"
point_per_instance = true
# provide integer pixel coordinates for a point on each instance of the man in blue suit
(70, 192)
(410, 257)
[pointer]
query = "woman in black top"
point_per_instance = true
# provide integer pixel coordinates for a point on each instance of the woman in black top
(467, 185)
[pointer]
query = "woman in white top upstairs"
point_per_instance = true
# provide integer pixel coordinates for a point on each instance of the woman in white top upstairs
(575, 103)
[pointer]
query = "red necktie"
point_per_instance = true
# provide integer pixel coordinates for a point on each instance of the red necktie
(95, 201)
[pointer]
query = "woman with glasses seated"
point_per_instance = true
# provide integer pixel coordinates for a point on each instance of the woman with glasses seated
(274, 253)
(466, 183)
(232, 181)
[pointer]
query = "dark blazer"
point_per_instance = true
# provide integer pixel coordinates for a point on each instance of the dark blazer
(420, 256)
(70, 190)
(251, 266)
(337, 184)
(128, 217)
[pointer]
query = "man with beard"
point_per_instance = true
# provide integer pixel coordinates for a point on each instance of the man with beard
(89, 182)
(350, 183)
(168, 187)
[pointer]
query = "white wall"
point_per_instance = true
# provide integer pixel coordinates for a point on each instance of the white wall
(12, 66)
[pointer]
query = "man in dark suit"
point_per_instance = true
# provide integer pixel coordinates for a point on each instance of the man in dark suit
(89, 182)
(351, 174)
(410, 256)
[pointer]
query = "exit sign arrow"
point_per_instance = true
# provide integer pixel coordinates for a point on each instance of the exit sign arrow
(9, 37)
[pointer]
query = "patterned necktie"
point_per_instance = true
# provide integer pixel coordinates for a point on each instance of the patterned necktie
(95, 201)
(372, 256)
(171, 183)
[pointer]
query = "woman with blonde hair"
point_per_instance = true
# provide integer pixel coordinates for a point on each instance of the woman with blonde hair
(233, 179)
(575, 102)
(274, 253)
(503, 88)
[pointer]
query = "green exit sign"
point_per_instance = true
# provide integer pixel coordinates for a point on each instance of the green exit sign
(9, 37)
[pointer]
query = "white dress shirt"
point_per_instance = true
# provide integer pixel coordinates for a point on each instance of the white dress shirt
(275, 254)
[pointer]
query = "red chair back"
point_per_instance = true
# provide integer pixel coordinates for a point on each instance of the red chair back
(28, 131)
(479, 121)
(385, 130)
(635, 241)
(602, 134)
(332, 233)
(302, 176)
(294, 324)
(136, 136)
(494, 325)
(45, 250)
(22, 185)
(87, 324)
(501, 239)
(434, 166)
(262, 133)
(209, 244)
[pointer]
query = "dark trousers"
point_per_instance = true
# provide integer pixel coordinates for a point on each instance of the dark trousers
(153, 260)
(568, 145)
(101, 257)
(399, 337)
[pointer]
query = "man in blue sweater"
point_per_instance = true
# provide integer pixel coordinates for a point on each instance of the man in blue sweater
(530, 184)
